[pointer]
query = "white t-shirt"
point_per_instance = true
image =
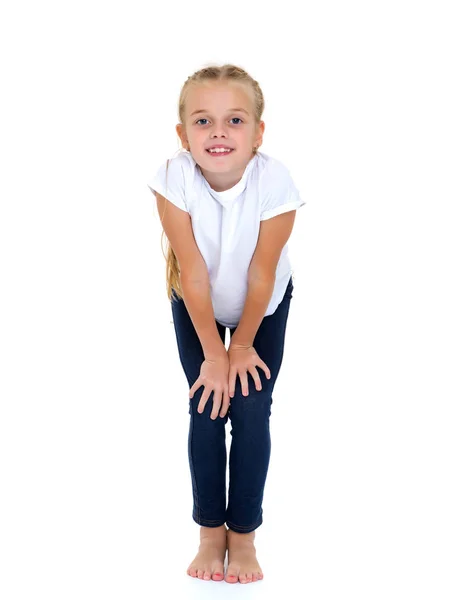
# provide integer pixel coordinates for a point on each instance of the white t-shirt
(226, 224)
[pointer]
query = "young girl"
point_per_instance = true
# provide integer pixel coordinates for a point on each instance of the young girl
(227, 211)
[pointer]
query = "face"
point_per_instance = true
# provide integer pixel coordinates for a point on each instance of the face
(226, 119)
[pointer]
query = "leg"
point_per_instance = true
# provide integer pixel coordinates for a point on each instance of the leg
(206, 441)
(250, 447)
(207, 455)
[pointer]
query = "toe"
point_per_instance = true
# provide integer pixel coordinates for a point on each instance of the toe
(232, 575)
(243, 578)
(207, 576)
(200, 574)
(192, 572)
(254, 576)
(217, 570)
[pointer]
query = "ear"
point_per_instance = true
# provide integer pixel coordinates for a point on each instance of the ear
(181, 134)
(260, 131)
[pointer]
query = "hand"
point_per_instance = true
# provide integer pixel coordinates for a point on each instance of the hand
(243, 359)
(214, 376)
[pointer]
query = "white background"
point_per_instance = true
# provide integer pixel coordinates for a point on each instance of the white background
(96, 495)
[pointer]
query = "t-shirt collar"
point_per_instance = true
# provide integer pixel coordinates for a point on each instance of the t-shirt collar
(227, 196)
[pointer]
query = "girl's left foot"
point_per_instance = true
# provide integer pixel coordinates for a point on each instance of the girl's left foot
(242, 563)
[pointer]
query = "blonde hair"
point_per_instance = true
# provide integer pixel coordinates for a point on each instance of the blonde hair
(219, 74)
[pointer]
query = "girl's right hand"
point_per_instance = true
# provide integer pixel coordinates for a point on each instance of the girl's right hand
(214, 376)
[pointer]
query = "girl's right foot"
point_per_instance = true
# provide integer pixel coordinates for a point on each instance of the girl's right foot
(208, 564)
(242, 563)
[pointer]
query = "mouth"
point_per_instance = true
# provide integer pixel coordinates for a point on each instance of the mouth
(220, 154)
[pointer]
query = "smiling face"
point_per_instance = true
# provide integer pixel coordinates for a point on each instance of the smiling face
(220, 114)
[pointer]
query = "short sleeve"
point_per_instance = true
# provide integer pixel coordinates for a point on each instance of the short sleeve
(169, 181)
(278, 191)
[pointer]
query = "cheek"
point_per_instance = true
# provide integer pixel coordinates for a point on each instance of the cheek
(196, 136)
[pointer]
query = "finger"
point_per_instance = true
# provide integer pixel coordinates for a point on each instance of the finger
(225, 403)
(203, 399)
(244, 382)
(225, 407)
(232, 381)
(255, 374)
(194, 388)
(265, 368)
(216, 404)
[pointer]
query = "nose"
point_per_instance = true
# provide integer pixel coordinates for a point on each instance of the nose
(218, 130)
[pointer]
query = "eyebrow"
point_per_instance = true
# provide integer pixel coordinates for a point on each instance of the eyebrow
(229, 110)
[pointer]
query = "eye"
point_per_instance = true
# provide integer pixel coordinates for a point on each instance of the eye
(233, 119)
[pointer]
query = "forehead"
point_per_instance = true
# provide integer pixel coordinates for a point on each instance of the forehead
(218, 97)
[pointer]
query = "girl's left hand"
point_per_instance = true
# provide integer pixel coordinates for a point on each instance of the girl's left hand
(243, 359)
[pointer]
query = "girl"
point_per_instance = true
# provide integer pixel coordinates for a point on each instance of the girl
(228, 211)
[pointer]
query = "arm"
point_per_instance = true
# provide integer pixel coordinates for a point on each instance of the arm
(273, 236)
(259, 293)
(197, 299)
(194, 278)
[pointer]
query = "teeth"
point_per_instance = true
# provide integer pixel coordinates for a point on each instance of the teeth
(219, 150)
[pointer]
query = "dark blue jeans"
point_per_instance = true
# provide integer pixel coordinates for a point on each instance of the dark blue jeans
(249, 417)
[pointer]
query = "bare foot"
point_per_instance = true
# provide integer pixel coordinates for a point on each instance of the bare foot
(242, 563)
(208, 564)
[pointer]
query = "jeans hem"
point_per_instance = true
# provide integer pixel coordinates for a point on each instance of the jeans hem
(241, 529)
(207, 523)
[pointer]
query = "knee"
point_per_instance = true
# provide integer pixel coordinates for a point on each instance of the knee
(203, 419)
(255, 406)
